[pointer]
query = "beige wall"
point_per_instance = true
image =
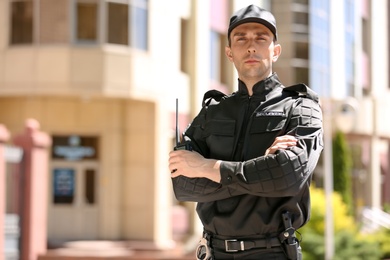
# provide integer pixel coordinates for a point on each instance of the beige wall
(138, 176)
(127, 130)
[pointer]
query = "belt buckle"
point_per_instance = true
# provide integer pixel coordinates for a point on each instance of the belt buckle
(242, 246)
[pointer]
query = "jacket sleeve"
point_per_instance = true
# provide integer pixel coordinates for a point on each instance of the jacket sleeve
(287, 171)
(201, 189)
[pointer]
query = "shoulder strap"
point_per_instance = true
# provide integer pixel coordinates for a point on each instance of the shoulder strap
(303, 90)
(212, 95)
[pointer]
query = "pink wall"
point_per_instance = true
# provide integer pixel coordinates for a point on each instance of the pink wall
(219, 15)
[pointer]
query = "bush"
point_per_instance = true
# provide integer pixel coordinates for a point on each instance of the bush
(382, 237)
(348, 244)
(352, 248)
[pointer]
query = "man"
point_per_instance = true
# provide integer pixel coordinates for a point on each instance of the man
(254, 152)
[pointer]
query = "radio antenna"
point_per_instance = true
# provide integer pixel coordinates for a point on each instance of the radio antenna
(185, 145)
(177, 123)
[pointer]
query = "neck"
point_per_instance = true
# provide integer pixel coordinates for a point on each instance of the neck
(250, 82)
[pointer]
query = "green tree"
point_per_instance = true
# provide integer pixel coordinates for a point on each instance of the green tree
(342, 166)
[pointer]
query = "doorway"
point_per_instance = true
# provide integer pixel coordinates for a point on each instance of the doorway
(73, 200)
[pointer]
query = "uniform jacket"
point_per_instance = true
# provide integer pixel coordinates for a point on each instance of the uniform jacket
(255, 189)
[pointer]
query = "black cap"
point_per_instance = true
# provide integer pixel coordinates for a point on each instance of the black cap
(253, 14)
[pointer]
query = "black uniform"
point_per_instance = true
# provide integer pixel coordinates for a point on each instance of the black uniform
(255, 189)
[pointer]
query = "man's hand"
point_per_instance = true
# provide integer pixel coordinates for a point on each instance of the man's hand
(281, 142)
(193, 165)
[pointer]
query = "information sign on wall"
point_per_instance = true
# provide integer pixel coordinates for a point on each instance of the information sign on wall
(63, 185)
(75, 147)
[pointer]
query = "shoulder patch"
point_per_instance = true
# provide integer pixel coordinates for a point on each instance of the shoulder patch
(212, 95)
(303, 90)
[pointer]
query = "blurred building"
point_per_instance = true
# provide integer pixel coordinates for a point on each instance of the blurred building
(341, 49)
(102, 77)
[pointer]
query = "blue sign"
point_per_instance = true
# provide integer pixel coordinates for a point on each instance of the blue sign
(63, 181)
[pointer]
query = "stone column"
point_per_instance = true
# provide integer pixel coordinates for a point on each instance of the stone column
(35, 145)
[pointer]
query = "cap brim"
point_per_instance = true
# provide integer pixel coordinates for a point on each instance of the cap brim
(254, 20)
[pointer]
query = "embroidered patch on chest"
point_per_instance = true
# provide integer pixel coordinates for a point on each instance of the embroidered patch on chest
(270, 113)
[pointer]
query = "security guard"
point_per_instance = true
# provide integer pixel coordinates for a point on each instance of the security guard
(253, 152)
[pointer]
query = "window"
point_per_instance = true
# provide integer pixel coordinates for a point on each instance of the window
(302, 75)
(123, 22)
(218, 60)
(303, 2)
(184, 46)
(301, 18)
(302, 50)
(87, 21)
(54, 21)
(127, 24)
(319, 48)
(215, 56)
(118, 23)
(349, 47)
(43, 21)
(89, 181)
(21, 22)
(139, 24)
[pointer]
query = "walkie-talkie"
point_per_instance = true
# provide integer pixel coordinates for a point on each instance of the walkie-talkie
(185, 145)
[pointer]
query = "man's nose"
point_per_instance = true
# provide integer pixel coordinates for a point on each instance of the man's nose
(251, 48)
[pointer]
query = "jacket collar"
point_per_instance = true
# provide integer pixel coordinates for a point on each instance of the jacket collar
(262, 87)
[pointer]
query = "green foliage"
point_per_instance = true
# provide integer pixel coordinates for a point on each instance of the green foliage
(348, 243)
(352, 248)
(313, 245)
(346, 247)
(341, 219)
(382, 237)
(342, 166)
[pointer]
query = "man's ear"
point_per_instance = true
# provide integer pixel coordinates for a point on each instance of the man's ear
(277, 52)
(228, 52)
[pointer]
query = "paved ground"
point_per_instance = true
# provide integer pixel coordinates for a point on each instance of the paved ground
(116, 250)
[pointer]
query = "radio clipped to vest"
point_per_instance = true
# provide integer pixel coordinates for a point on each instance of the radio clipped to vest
(288, 239)
(180, 145)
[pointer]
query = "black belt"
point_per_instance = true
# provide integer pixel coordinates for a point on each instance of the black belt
(235, 245)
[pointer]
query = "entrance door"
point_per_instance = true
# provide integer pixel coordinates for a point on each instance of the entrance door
(73, 201)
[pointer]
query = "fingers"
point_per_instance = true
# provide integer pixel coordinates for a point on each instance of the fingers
(285, 138)
(172, 162)
(177, 160)
(281, 142)
(186, 163)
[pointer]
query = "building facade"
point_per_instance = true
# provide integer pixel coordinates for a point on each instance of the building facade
(330, 46)
(102, 76)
